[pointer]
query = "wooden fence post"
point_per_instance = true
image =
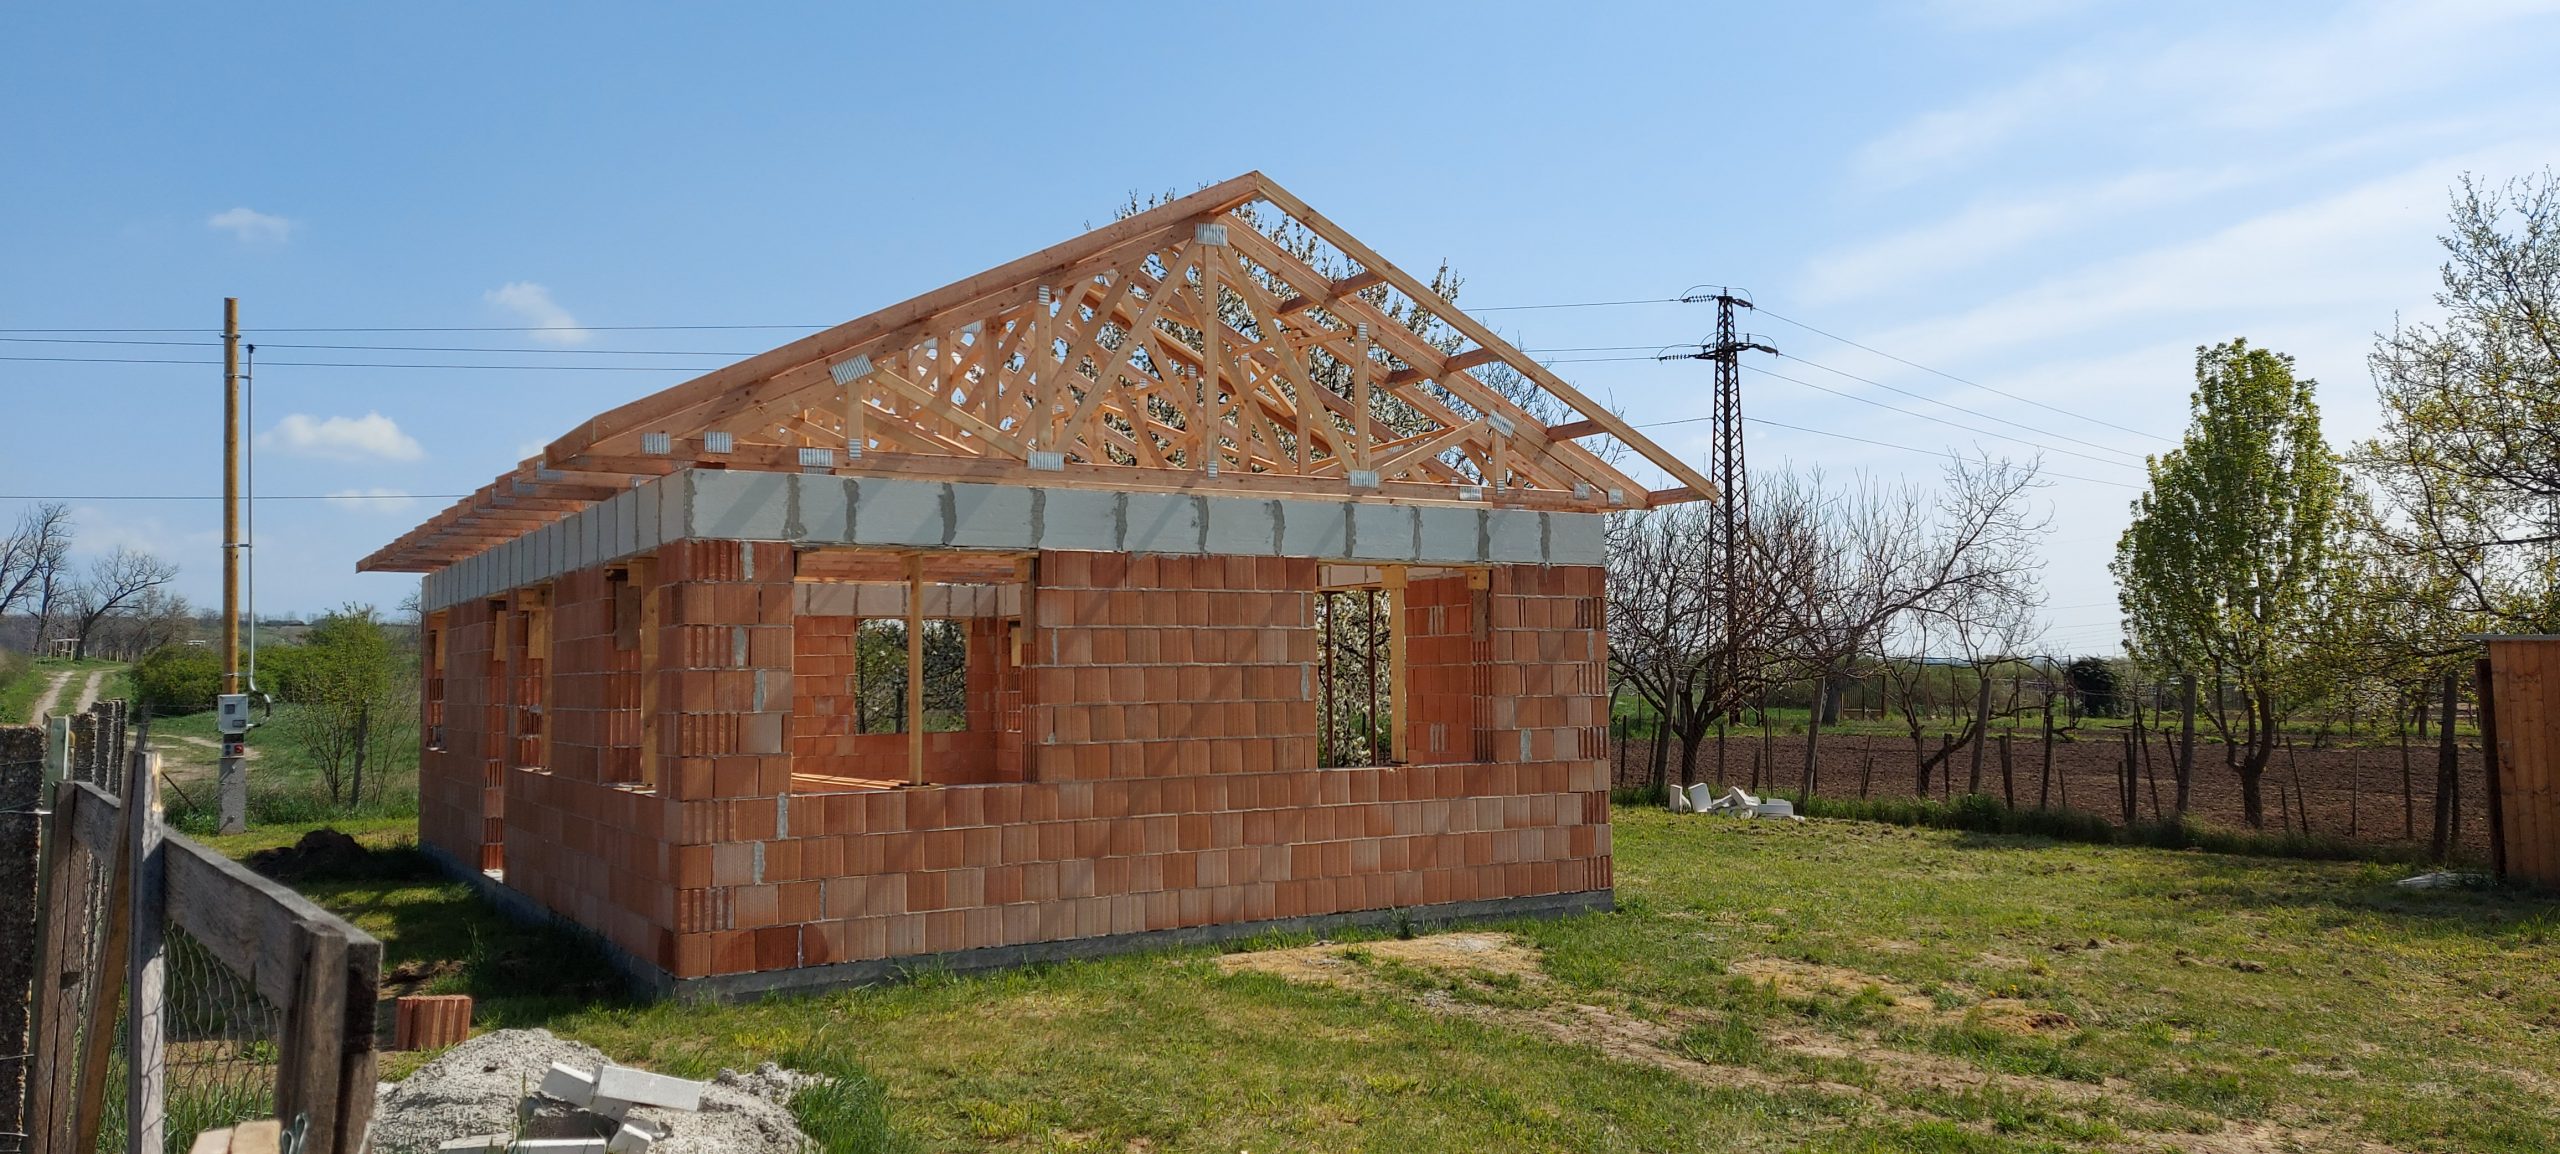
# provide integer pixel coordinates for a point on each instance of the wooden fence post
(147, 968)
(2008, 782)
(2489, 769)
(308, 1069)
(64, 974)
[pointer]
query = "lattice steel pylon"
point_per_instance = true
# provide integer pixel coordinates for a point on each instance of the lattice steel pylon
(1726, 467)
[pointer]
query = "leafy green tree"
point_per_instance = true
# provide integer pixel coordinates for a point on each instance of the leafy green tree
(177, 679)
(352, 699)
(2093, 682)
(2225, 571)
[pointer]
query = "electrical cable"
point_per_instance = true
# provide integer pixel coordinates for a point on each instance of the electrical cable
(1960, 408)
(1939, 420)
(1962, 381)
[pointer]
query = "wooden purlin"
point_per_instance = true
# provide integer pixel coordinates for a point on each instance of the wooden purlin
(1249, 403)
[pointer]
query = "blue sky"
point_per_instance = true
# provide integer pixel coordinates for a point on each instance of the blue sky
(2055, 200)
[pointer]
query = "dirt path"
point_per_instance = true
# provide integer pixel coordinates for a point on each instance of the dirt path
(52, 693)
(89, 692)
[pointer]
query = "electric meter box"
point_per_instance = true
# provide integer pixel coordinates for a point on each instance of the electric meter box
(231, 713)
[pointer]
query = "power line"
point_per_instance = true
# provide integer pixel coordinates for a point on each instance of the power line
(1876, 443)
(218, 496)
(1960, 408)
(1964, 381)
(1939, 420)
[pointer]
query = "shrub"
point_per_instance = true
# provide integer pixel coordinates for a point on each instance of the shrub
(177, 679)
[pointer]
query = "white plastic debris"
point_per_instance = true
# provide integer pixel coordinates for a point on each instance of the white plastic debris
(1734, 802)
(1680, 802)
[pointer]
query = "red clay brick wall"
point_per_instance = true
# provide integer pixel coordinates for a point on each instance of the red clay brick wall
(454, 779)
(594, 706)
(892, 873)
(1546, 688)
(1444, 640)
(1143, 666)
(825, 735)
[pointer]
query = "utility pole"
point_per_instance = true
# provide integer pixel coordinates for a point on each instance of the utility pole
(231, 709)
(1731, 528)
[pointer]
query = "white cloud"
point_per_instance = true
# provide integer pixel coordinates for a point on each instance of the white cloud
(2356, 256)
(251, 226)
(2247, 73)
(533, 303)
(372, 500)
(371, 437)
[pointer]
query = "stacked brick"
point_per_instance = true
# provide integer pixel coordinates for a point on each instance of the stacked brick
(1163, 727)
(1146, 666)
(460, 799)
(826, 733)
(593, 706)
(1547, 684)
(1444, 622)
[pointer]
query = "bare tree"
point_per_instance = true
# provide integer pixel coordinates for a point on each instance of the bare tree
(114, 582)
(32, 555)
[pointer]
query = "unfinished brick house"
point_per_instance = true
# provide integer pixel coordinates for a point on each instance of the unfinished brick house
(1163, 585)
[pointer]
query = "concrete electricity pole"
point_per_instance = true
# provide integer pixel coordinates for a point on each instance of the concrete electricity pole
(231, 709)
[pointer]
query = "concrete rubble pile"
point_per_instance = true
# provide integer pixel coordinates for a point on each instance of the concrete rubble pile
(528, 1092)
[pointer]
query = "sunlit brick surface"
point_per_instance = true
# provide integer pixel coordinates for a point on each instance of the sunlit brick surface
(1149, 766)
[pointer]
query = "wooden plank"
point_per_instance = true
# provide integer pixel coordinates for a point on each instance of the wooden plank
(2489, 768)
(960, 294)
(2540, 830)
(65, 974)
(251, 924)
(915, 669)
(1571, 429)
(1369, 258)
(105, 995)
(1399, 671)
(307, 1065)
(146, 1018)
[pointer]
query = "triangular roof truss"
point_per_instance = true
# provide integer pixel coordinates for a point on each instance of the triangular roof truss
(1183, 347)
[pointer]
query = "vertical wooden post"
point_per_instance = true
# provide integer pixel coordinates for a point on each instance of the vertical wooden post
(2448, 776)
(63, 975)
(915, 669)
(2008, 782)
(2480, 676)
(1981, 728)
(1813, 736)
(2044, 779)
(644, 577)
(1213, 356)
(1398, 749)
(147, 963)
(308, 1069)
(106, 982)
(1325, 756)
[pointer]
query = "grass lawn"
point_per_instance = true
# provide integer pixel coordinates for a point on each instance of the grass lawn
(18, 696)
(1835, 986)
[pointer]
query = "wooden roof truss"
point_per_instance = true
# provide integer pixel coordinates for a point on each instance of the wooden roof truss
(1180, 348)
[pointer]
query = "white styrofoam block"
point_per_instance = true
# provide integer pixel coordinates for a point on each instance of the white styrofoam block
(1577, 539)
(823, 508)
(1242, 527)
(1084, 519)
(1382, 532)
(887, 512)
(1514, 535)
(643, 1088)
(1314, 529)
(991, 516)
(1162, 523)
(569, 1084)
(635, 1137)
(740, 505)
(644, 515)
(480, 1144)
(557, 1146)
(1451, 534)
(673, 504)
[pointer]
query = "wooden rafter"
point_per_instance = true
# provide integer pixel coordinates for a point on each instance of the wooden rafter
(1177, 343)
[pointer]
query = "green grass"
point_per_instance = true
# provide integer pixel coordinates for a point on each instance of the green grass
(18, 696)
(285, 788)
(2222, 992)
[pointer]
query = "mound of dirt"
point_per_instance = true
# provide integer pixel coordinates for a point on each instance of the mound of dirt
(320, 853)
(480, 1086)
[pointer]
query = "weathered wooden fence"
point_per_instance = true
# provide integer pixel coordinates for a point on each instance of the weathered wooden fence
(175, 991)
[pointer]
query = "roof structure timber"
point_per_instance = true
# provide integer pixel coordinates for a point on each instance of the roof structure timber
(1179, 348)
